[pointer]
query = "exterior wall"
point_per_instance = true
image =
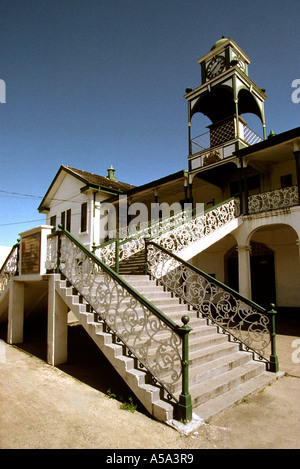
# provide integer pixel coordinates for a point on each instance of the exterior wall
(283, 168)
(211, 260)
(69, 197)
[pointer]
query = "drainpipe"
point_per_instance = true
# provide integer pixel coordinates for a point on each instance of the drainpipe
(246, 189)
(296, 154)
(240, 173)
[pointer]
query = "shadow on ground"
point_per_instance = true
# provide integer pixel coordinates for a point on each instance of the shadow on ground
(85, 360)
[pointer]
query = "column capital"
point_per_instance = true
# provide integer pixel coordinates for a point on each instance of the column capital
(246, 247)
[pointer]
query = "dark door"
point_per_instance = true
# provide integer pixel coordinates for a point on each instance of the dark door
(262, 275)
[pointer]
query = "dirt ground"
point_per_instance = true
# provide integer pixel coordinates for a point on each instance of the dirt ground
(43, 407)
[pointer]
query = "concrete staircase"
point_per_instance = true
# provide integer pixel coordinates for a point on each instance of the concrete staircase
(135, 264)
(219, 373)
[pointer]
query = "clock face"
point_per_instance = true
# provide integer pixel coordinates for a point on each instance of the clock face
(215, 66)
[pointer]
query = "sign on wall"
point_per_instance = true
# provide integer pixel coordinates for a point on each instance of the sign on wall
(30, 254)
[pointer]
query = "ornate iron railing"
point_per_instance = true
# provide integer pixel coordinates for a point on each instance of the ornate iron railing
(9, 268)
(198, 227)
(173, 235)
(118, 249)
(272, 200)
(152, 227)
(159, 344)
(244, 320)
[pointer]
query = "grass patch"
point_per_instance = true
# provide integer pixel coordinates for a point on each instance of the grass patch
(129, 405)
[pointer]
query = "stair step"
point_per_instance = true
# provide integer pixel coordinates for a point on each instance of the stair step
(199, 372)
(229, 398)
(212, 388)
(219, 372)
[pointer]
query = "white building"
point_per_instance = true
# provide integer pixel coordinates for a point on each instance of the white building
(260, 257)
(220, 267)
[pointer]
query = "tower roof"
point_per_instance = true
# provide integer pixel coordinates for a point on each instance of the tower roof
(219, 42)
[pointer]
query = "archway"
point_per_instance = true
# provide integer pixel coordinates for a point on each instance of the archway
(273, 263)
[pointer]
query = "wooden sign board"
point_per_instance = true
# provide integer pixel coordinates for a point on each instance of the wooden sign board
(31, 253)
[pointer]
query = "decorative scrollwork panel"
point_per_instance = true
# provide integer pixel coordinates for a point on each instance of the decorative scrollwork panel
(149, 338)
(198, 227)
(243, 321)
(9, 269)
(272, 200)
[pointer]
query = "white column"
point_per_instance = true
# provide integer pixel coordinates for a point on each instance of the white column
(57, 336)
(15, 326)
(244, 271)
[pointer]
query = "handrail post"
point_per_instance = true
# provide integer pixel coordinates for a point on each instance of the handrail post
(146, 240)
(18, 256)
(274, 365)
(117, 256)
(59, 231)
(184, 407)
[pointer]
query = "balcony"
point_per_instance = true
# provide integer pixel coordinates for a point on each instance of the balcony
(220, 142)
(273, 200)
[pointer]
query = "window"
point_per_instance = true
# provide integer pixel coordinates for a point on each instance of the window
(68, 224)
(83, 225)
(53, 222)
(63, 219)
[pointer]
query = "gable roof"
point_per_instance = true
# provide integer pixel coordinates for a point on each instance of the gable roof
(92, 179)
(89, 180)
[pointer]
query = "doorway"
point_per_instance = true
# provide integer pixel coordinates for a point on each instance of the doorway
(262, 273)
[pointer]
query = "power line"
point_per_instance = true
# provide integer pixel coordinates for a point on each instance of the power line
(21, 222)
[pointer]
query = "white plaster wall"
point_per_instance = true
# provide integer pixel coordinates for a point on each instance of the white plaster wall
(211, 260)
(287, 166)
(68, 196)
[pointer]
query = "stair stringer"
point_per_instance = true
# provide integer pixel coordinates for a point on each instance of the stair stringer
(148, 394)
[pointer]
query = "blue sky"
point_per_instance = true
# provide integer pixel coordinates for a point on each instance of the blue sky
(90, 83)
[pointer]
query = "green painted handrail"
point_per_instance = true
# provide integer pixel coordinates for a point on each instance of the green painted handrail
(271, 312)
(184, 406)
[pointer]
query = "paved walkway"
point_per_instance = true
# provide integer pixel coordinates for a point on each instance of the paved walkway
(42, 407)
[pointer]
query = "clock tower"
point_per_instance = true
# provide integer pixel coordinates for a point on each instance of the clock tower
(225, 94)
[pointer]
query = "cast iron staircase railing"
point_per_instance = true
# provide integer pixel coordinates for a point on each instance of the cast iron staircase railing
(175, 233)
(9, 268)
(245, 321)
(158, 343)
